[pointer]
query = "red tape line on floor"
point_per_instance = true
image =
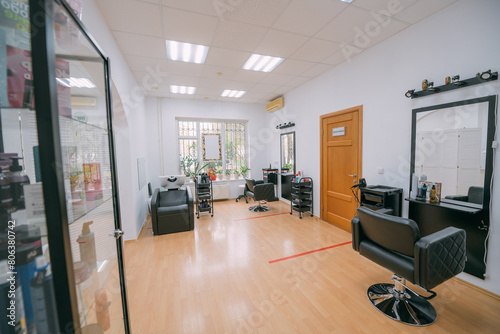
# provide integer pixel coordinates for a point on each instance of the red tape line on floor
(309, 252)
(276, 214)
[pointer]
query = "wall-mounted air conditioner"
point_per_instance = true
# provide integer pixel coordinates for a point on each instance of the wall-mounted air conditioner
(275, 104)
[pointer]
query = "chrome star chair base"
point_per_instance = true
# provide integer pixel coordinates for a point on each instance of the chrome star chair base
(402, 304)
(260, 207)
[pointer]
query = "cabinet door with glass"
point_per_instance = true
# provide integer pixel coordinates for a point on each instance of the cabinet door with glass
(58, 172)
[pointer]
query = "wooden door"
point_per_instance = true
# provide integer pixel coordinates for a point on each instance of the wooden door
(341, 139)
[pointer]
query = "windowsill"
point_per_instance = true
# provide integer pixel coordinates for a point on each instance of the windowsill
(218, 181)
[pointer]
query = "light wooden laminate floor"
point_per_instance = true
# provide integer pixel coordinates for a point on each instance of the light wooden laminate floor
(218, 279)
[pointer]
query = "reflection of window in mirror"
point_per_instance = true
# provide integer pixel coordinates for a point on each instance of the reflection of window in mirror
(288, 151)
(450, 146)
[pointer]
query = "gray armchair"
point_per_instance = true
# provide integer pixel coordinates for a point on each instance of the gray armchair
(172, 211)
(395, 243)
(474, 195)
(260, 192)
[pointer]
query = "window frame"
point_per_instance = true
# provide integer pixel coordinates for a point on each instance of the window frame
(198, 139)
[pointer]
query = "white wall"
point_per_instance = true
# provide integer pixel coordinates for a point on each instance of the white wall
(129, 108)
(461, 39)
(163, 151)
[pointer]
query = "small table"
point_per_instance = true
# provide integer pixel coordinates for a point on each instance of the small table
(244, 193)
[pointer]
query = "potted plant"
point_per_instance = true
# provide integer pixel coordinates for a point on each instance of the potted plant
(236, 174)
(218, 172)
(185, 163)
(244, 171)
(197, 169)
(228, 174)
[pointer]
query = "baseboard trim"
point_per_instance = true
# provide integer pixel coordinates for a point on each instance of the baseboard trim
(140, 231)
(477, 288)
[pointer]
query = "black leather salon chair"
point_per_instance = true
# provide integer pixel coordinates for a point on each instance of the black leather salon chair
(395, 243)
(172, 211)
(474, 195)
(260, 192)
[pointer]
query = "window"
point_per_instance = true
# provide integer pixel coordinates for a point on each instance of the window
(233, 145)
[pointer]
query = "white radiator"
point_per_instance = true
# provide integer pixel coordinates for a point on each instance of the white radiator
(221, 191)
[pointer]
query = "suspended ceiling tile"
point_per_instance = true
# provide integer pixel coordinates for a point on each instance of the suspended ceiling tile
(226, 57)
(317, 70)
(138, 63)
(298, 81)
(240, 85)
(384, 6)
(238, 36)
(182, 68)
(280, 43)
(421, 9)
(208, 91)
(182, 80)
(250, 76)
(255, 95)
(306, 17)
(264, 88)
(197, 6)
(348, 25)
(140, 45)
(277, 79)
(219, 84)
(258, 12)
(315, 50)
(246, 100)
(293, 67)
(340, 56)
(223, 72)
(206, 97)
(381, 33)
(188, 27)
(134, 17)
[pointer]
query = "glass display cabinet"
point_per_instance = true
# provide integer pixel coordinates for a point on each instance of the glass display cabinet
(60, 231)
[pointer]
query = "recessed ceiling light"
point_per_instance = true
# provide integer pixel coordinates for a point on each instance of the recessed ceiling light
(182, 89)
(262, 63)
(233, 93)
(347, 1)
(76, 82)
(186, 52)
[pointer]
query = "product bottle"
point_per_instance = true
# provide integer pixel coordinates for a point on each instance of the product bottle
(86, 242)
(12, 317)
(42, 294)
(424, 191)
(433, 194)
(102, 309)
(414, 186)
(17, 179)
(5, 193)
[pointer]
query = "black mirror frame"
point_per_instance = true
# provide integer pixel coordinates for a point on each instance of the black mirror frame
(492, 106)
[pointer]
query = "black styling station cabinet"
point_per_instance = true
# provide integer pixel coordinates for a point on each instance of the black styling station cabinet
(60, 233)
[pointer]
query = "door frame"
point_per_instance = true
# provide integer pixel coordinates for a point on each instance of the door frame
(359, 109)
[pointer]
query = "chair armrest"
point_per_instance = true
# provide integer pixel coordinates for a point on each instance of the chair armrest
(264, 191)
(190, 203)
(386, 211)
(439, 257)
(259, 182)
(154, 206)
(356, 233)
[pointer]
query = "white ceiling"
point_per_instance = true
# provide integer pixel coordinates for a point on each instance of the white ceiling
(312, 36)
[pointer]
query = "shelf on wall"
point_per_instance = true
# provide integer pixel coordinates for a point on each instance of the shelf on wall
(454, 85)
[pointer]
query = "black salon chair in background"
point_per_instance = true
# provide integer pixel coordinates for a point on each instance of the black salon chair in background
(395, 243)
(474, 195)
(260, 192)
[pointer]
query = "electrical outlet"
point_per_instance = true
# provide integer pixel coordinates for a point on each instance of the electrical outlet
(380, 170)
(494, 144)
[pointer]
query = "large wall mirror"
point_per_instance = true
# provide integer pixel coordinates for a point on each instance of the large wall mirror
(288, 151)
(451, 144)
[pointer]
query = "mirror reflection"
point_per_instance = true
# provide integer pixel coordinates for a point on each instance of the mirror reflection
(288, 151)
(450, 148)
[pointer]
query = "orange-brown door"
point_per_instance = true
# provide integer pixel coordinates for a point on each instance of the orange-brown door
(340, 165)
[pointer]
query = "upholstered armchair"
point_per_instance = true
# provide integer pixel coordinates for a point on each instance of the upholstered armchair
(260, 192)
(172, 211)
(474, 195)
(395, 243)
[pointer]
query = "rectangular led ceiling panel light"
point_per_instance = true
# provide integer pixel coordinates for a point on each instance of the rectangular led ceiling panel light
(182, 89)
(262, 63)
(233, 93)
(186, 52)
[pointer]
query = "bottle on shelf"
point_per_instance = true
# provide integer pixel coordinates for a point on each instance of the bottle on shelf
(86, 241)
(433, 194)
(5, 193)
(13, 320)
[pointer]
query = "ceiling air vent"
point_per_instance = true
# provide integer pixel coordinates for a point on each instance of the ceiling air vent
(275, 104)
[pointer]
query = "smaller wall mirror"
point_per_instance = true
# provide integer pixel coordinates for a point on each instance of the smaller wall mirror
(288, 151)
(211, 147)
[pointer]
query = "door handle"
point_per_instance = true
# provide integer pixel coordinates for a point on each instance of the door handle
(116, 233)
(352, 175)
